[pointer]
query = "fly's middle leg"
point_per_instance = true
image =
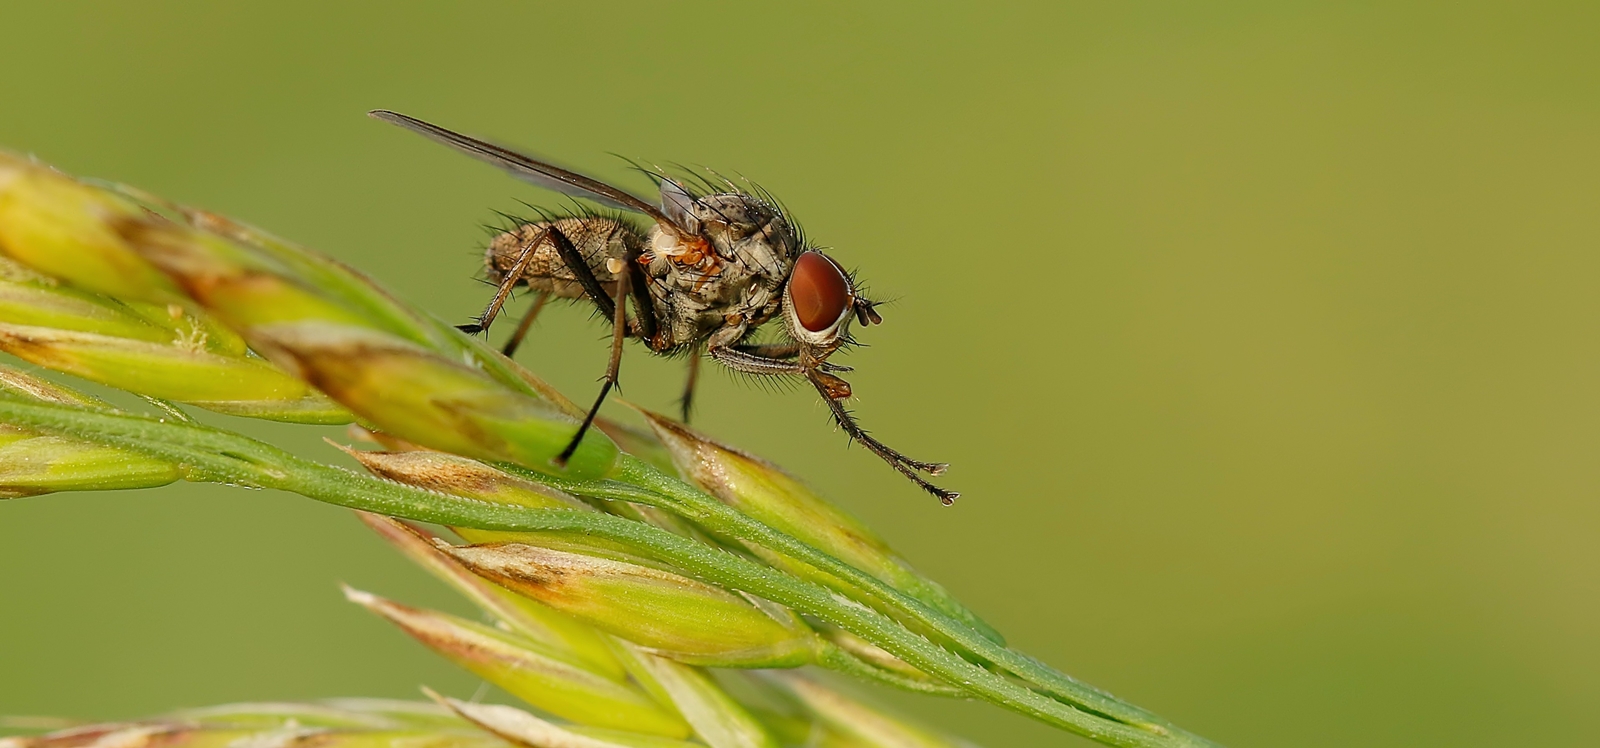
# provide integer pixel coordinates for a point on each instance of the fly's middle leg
(526, 324)
(619, 335)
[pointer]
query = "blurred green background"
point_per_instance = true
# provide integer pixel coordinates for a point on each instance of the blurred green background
(1262, 337)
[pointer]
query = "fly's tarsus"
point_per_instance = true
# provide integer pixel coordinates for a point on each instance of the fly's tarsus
(901, 463)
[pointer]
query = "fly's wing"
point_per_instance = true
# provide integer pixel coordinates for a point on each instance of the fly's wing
(678, 204)
(538, 172)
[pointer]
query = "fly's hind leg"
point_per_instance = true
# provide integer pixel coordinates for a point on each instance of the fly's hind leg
(526, 324)
(510, 281)
(687, 401)
(569, 257)
(573, 259)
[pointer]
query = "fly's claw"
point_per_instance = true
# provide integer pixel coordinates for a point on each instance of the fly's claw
(944, 496)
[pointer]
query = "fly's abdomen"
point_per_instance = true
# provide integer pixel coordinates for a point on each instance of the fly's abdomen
(596, 239)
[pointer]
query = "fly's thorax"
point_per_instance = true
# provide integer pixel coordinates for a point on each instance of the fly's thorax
(731, 228)
(728, 275)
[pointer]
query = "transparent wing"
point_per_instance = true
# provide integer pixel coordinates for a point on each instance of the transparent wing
(678, 204)
(531, 170)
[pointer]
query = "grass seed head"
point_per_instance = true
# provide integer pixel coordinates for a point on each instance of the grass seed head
(521, 728)
(68, 230)
(341, 723)
(161, 351)
(763, 491)
(32, 463)
(460, 476)
(36, 464)
(452, 474)
(533, 672)
(672, 614)
(852, 723)
(716, 716)
(518, 614)
(333, 329)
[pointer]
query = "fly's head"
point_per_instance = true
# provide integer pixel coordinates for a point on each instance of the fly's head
(819, 303)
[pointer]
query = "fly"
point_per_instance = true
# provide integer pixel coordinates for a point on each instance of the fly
(718, 263)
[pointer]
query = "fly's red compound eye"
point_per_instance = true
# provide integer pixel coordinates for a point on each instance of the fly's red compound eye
(819, 291)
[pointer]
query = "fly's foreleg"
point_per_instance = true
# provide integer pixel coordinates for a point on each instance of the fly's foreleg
(743, 360)
(787, 350)
(834, 392)
(771, 359)
(763, 358)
